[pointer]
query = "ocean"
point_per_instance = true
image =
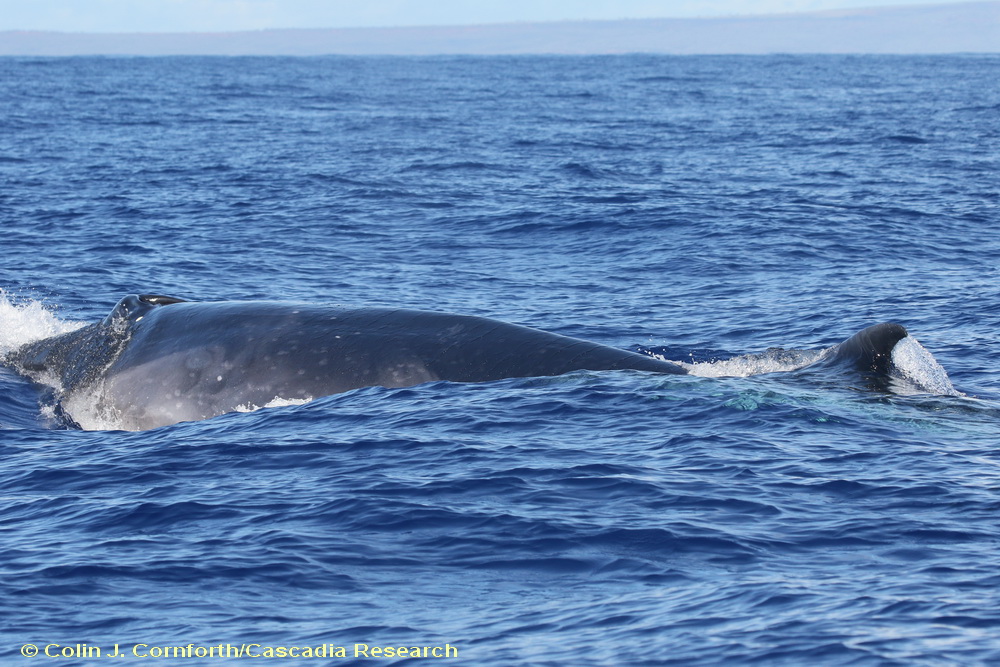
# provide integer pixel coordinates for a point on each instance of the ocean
(697, 208)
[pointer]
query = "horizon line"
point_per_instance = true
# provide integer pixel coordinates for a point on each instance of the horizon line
(835, 13)
(965, 27)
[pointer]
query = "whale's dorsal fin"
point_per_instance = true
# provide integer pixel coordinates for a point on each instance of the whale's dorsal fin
(870, 350)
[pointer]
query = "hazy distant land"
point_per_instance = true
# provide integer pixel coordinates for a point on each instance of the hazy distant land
(972, 27)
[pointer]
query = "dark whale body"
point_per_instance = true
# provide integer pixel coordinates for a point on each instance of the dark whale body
(158, 360)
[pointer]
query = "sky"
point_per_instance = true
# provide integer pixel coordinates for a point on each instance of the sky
(231, 15)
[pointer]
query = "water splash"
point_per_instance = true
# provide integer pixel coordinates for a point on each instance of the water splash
(276, 402)
(772, 360)
(916, 371)
(24, 321)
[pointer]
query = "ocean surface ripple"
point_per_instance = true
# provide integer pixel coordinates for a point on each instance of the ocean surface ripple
(700, 208)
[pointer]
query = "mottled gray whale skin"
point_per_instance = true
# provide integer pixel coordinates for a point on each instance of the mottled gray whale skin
(158, 360)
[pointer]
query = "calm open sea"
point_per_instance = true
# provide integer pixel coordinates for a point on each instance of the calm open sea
(704, 207)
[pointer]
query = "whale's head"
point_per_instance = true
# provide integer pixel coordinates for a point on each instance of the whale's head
(134, 307)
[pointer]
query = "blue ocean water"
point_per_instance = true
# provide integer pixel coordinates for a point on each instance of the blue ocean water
(700, 207)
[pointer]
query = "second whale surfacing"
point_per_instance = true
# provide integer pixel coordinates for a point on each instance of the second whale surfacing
(158, 360)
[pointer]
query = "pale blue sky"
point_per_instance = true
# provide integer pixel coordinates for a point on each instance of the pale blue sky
(225, 15)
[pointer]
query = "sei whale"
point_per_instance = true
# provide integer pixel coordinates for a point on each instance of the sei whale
(157, 360)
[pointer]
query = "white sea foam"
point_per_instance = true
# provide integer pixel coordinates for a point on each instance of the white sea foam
(916, 371)
(773, 360)
(24, 321)
(276, 402)
(90, 413)
(87, 409)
